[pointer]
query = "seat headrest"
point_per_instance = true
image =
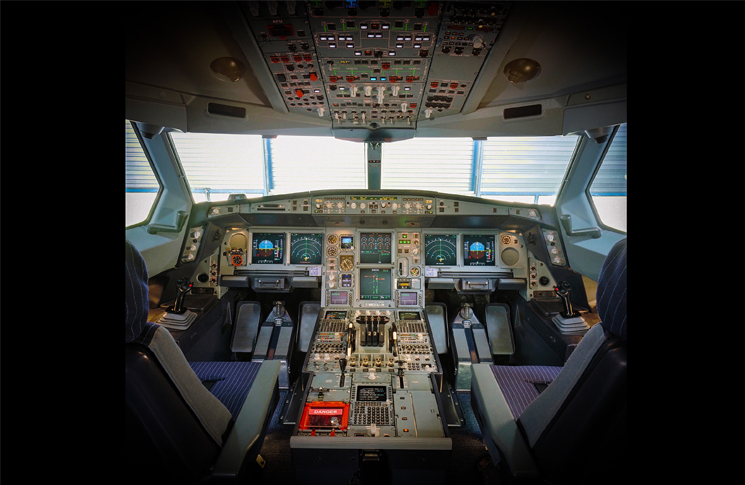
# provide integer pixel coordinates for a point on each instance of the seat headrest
(611, 291)
(136, 293)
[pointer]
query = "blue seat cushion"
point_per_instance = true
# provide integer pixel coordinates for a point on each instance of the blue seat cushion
(518, 383)
(232, 381)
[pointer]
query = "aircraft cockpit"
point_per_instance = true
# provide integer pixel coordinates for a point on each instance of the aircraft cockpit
(375, 242)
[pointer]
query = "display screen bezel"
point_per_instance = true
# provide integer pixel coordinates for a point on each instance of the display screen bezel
(464, 250)
(362, 274)
(364, 257)
(338, 301)
(377, 397)
(428, 261)
(413, 294)
(256, 236)
(299, 235)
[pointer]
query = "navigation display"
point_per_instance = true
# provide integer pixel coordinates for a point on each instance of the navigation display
(375, 247)
(268, 248)
(478, 250)
(439, 250)
(372, 393)
(306, 248)
(375, 284)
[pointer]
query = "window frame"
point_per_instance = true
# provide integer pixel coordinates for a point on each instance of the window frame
(151, 212)
(594, 209)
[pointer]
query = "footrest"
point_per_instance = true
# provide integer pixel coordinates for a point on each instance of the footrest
(499, 330)
(248, 317)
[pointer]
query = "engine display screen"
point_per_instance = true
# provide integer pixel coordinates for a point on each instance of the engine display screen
(375, 247)
(478, 250)
(372, 393)
(375, 284)
(439, 250)
(268, 248)
(306, 248)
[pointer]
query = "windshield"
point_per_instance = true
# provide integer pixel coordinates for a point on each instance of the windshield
(515, 169)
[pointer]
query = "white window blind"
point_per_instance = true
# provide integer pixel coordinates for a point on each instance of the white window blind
(303, 163)
(141, 186)
(139, 174)
(221, 164)
(525, 166)
(437, 164)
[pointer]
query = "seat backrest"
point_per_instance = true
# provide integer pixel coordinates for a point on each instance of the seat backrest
(168, 410)
(576, 427)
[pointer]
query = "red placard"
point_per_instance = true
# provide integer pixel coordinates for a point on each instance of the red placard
(325, 415)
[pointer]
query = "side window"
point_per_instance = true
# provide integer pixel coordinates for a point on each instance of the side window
(608, 188)
(142, 186)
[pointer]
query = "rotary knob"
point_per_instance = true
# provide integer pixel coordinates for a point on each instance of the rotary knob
(407, 206)
(394, 206)
(353, 205)
(339, 205)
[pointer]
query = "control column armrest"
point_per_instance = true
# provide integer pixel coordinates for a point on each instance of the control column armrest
(244, 441)
(498, 426)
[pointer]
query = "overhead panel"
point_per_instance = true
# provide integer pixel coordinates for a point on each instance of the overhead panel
(375, 64)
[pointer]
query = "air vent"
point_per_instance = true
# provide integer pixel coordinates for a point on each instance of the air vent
(225, 110)
(523, 111)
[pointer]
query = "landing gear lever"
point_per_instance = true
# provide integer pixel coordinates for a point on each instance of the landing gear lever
(563, 291)
(184, 287)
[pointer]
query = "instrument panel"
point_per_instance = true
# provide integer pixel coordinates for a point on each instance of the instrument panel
(370, 268)
(375, 64)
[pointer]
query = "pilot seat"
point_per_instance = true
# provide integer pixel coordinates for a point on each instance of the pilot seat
(187, 422)
(564, 424)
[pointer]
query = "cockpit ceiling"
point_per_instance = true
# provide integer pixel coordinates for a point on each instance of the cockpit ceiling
(580, 47)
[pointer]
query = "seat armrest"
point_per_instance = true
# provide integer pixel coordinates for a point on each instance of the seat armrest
(245, 437)
(499, 427)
